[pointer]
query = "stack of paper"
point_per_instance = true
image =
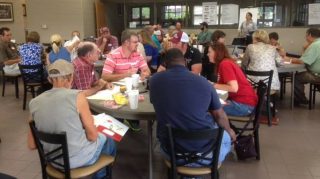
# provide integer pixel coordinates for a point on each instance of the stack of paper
(110, 126)
(105, 94)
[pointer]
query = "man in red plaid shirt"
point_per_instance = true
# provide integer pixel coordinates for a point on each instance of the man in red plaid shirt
(84, 75)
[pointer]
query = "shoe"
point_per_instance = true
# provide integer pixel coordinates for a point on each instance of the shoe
(133, 125)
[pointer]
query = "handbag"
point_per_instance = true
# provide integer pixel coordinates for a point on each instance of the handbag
(245, 147)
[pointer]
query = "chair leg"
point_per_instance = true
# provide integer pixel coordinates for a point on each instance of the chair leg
(24, 98)
(16, 83)
(310, 95)
(257, 143)
(3, 85)
(33, 92)
(268, 110)
(274, 106)
(314, 95)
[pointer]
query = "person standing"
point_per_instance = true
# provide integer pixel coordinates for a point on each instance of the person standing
(187, 101)
(9, 56)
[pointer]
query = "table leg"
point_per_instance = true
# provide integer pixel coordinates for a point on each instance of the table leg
(150, 148)
(292, 90)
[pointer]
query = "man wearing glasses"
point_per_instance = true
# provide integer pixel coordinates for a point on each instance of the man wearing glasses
(106, 42)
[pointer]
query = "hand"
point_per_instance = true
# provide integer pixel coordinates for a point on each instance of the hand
(101, 83)
(232, 135)
(109, 85)
(104, 40)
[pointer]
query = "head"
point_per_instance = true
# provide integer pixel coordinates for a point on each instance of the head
(148, 29)
(146, 39)
(75, 33)
(174, 56)
(217, 52)
(129, 40)
(88, 51)
(104, 32)
(218, 36)
(56, 42)
(159, 35)
(312, 34)
(248, 16)
(273, 38)
(180, 41)
(171, 30)
(60, 74)
(204, 25)
(5, 34)
(33, 37)
(178, 26)
(261, 36)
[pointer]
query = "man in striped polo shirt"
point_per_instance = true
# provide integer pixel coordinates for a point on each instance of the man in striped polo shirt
(125, 60)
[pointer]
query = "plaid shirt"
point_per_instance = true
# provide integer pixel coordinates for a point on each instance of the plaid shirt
(84, 76)
(117, 63)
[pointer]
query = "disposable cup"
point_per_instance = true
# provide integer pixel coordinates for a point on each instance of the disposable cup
(128, 82)
(133, 99)
(135, 80)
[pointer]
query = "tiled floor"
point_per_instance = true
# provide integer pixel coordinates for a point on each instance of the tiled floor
(290, 150)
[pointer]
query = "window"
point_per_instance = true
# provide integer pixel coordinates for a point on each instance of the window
(139, 17)
(266, 15)
(197, 15)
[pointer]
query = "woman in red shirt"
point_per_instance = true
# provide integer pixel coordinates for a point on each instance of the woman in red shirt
(242, 98)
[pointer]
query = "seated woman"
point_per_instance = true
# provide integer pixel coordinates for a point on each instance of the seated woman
(242, 98)
(58, 51)
(68, 111)
(261, 56)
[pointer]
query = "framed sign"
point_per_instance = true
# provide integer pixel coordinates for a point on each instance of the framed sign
(6, 11)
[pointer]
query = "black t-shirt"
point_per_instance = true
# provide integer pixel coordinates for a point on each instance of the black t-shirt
(192, 56)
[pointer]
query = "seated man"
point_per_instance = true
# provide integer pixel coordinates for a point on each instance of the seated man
(84, 75)
(106, 42)
(124, 62)
(9, 56)
(311, 58)
(187, 101)
(191, 54)
(68, 111)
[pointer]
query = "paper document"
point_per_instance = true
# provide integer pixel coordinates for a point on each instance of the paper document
(110, 126)
(221, 92)
(105, 94)
(222, 101)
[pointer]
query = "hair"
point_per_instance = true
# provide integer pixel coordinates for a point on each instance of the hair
(216, 35)
(261, 36)
(146, 38)
(84, 48)
(273, 35)
(75, 31)
(3, 29)
(314, 32)
(221, 52)
(171, 29)
(149, 29)
(56, 42)
(250, 14)
(173, 56)
(33, 37)
(126, 35)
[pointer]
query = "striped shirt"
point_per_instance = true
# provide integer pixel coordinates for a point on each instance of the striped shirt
(117, 63)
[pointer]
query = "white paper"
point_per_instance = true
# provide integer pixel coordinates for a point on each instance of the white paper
(314, 14)
(105, 94)
(110, 123)
(210, 12)
(221, 92)
(229, 13)
(222, 101)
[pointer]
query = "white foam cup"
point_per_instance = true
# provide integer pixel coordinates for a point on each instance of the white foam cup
(133, 99)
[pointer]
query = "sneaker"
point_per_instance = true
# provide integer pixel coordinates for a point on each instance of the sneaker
(133, 125)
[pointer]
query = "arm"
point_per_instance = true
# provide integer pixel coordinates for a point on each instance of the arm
(103, 44)
(115, 77)
(86, 117)
(74, 44)
(231, 86)
(97, 86)
(12, 61)
(145, 72)
(161, 68)
(222, 120)
(196, 68)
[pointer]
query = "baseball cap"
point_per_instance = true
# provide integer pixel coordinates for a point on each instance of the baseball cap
(62, 66)
(157, 32)
(180, 37)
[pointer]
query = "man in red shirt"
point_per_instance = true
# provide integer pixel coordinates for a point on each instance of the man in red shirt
(106, 42)
(125, 60)
(84, 75)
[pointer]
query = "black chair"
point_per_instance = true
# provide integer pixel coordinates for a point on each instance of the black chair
(13, 78)
(175, 150)
(314, 87)
(251, 122)
(33, 77)
(60, 153)
(266, 77)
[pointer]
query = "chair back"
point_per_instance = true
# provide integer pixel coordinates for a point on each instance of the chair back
(178, 152)
(264, 76)
(32, 74)
(54, 156)
(261, 91)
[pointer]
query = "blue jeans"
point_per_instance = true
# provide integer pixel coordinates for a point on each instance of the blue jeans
(233, 108)
(107, 146)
